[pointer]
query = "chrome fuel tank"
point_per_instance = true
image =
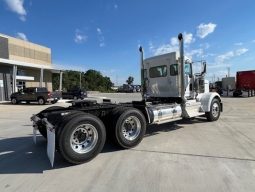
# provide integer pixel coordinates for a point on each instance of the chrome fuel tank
(163, 113)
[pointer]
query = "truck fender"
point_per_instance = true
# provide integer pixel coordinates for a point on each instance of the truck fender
(206, 100)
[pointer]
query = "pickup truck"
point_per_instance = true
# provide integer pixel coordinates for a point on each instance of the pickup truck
(33, 94)
(74, 94)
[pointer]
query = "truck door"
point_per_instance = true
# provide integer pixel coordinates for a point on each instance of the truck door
(30, 95)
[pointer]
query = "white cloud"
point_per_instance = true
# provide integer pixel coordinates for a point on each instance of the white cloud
(100, 37)
(101, 44)
(17, 6)
(165, 48)
(99, 31)
(205, 29)
(224, 60)
(205, 45)
(225, 56)
(188, 38)
(174, 41)
(241, 51)
(173, 45)
(151, 46)
(194, 52)
(80, 37)
(228, 55)
(21, 36)
(238, 44)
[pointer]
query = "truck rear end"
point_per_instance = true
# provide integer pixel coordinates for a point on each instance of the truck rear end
(245, 81)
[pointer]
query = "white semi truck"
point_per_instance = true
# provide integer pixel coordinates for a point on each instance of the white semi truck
(170, 92)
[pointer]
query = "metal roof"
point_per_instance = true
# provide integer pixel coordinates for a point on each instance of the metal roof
(25, 64)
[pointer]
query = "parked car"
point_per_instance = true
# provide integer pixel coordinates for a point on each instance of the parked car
(128, 88)
(30, 94)
(74, 94)
(137, 88)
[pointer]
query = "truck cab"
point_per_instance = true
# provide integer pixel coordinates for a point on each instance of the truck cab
(162, 76)
(170, 84)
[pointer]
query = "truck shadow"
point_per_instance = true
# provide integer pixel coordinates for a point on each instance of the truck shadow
(21, 156)
(155, 130)
(172, 126)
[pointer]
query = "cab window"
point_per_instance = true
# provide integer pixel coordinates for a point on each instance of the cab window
(159, 71)
(187, 69)
(174, 69)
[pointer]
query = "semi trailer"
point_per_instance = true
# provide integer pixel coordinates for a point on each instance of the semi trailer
(170, 92)
(245, 81)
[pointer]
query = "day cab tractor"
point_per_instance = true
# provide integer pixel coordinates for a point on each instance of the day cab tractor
(170, 92)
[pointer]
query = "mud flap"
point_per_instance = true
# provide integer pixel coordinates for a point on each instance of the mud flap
(51, 145)
(35, 128)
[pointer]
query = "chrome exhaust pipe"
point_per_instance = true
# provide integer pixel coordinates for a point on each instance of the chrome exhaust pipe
(143, 87)
(181, 48)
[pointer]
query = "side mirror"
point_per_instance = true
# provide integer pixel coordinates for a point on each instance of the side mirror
(191, 71)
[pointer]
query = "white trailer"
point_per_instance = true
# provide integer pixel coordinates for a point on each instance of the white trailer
(228, 83)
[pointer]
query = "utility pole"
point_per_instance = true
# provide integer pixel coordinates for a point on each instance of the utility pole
(228, 71)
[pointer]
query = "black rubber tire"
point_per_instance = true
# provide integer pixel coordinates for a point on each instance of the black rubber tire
(41, 127)
(14, 101)
(209, 115)
(42, 101)
(64, 139)
(120, 115)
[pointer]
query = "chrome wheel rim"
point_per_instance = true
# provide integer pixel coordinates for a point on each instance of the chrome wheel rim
(215, 110)
(14, 101)
(84, 138)
(131, 128)
(40, 101)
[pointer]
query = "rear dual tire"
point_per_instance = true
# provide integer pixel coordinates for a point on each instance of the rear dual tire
(128, 127)
(81, 138)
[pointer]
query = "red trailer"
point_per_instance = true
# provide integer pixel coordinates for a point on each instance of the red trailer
(245, 81)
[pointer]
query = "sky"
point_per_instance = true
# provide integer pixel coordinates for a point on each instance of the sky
(105, 34)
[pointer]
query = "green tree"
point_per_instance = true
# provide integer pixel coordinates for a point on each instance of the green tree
(91, 80)
(95, 81)
(130, 80)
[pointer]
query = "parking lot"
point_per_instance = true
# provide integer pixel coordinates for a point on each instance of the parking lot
(189, 155)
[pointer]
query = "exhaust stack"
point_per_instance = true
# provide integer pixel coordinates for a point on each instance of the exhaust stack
(181, 48)
(143, 90)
